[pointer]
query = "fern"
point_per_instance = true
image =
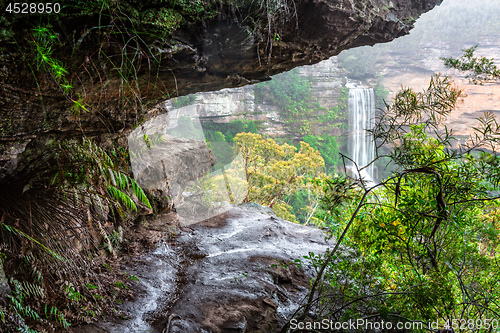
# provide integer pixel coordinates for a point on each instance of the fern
(124, 181)
(17, 299)
(31, 264)
(139, 192)
(23, 310)
(54, 313)
(122, 197)
(32, 290)
(91, 286)
(74, 295)
(70, 193)
(132, 277)
(116, 238)
(20, 233)
(100, 165)
(119, 179)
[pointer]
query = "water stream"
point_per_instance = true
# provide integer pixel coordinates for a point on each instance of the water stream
(157, 272)
(361, 118)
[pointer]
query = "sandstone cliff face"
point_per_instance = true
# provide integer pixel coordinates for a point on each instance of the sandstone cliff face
(399, 71)
(223, 50)
(223, 106)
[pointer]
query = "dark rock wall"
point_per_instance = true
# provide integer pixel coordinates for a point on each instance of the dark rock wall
(201, 52)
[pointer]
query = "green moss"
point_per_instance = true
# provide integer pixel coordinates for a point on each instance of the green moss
(164, 17)
(191, 7)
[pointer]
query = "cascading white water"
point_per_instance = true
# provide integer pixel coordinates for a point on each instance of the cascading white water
(361, 146)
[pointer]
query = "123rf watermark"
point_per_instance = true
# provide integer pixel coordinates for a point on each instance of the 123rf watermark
(365, 325)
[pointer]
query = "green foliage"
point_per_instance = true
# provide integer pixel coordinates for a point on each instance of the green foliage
(54, 313)
(336, 117)
(95, 169)
(120, 27)
(251, 127)
(217, 137)
(91, 286)
(304, 205)
(132, 277)
(291, 94)
(214, 131)
(45, 40)
(237, 126)
(275, 172)
(478, 69)
(429, 233)
(55, 206)
(303, 115)
(339, 191)
(166, 18)
(222, 144)
(21, 292)
(78, 104)
(122, 42)
(327, 146)
(380, 95)
(297, 207)
(423, 244)
(192, 8)
(343, 98)
(116, 239)
(120, 285)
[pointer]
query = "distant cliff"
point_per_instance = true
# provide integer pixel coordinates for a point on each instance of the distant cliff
(324, 81)
(95, 69)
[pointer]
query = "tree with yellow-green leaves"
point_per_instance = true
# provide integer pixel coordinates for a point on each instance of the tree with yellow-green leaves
(275, 171)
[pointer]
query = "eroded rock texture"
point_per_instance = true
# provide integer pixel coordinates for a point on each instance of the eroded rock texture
(120, 64)
(235, 272)
(245, 279)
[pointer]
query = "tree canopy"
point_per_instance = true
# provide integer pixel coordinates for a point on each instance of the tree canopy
(274, 171)
(421, 246)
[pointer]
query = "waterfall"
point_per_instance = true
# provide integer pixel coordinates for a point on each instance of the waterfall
(361, 146)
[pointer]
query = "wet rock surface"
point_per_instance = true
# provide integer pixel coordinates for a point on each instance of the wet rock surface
(232, 273)
(245, 279)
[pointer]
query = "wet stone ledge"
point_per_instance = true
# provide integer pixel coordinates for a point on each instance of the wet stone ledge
(234, 272)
